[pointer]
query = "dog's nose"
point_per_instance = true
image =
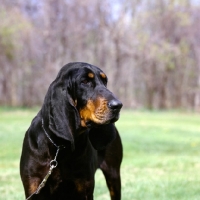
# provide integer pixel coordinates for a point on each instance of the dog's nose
(115, 104)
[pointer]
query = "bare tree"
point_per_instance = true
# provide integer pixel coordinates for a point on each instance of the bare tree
(149, 49)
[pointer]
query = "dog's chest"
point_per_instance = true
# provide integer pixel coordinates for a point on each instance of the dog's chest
(75, 181)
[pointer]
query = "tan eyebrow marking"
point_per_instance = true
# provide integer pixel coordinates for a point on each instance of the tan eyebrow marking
(102, 75)
(90, 75)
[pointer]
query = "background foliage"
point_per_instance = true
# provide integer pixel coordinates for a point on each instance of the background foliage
(150, 50)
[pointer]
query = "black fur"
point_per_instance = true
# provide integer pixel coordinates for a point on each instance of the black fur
(79, 113)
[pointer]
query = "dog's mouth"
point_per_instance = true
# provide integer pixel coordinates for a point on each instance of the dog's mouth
(96, 121)
(90, 123)
(100, 112)
(115, 118)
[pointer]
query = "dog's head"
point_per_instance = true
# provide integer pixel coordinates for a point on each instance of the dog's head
(79, 98)
(94, 102)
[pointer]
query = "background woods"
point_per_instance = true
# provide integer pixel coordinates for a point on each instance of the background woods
(150, 50)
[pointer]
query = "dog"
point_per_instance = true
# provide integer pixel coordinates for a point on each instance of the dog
(71, 137)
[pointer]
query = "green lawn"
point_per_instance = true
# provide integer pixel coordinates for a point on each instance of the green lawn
(161, 155)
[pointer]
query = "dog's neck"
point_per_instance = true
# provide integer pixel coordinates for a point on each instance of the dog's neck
(79, 134)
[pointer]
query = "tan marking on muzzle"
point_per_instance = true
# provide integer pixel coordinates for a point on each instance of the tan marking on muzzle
(95, 111)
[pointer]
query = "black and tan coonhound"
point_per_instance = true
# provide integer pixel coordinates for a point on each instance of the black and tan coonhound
(75, 130)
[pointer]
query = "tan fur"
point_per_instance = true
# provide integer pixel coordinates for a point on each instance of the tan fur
(79, 185)
(34, 183)
(94, 111)
(102, 75)
(112, 194)
(91, 75)
(82, 185)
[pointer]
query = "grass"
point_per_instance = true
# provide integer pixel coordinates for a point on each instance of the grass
(161, 155)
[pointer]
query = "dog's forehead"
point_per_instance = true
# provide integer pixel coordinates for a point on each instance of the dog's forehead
(77, 70)
(91, 71)
(92, 68)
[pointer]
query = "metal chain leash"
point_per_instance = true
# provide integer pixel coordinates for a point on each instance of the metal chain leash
(48, 135)
(53, 164)
(43, 183)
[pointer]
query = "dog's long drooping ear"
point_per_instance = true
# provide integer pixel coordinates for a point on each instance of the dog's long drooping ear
(101, 136)
(63, 115)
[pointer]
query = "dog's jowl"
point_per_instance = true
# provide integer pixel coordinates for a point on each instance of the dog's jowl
(72, 135)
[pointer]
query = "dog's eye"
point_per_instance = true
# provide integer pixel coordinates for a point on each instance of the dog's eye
(105, 82)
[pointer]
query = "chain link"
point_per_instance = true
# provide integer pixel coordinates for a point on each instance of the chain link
(53, 164)
(48, 135)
